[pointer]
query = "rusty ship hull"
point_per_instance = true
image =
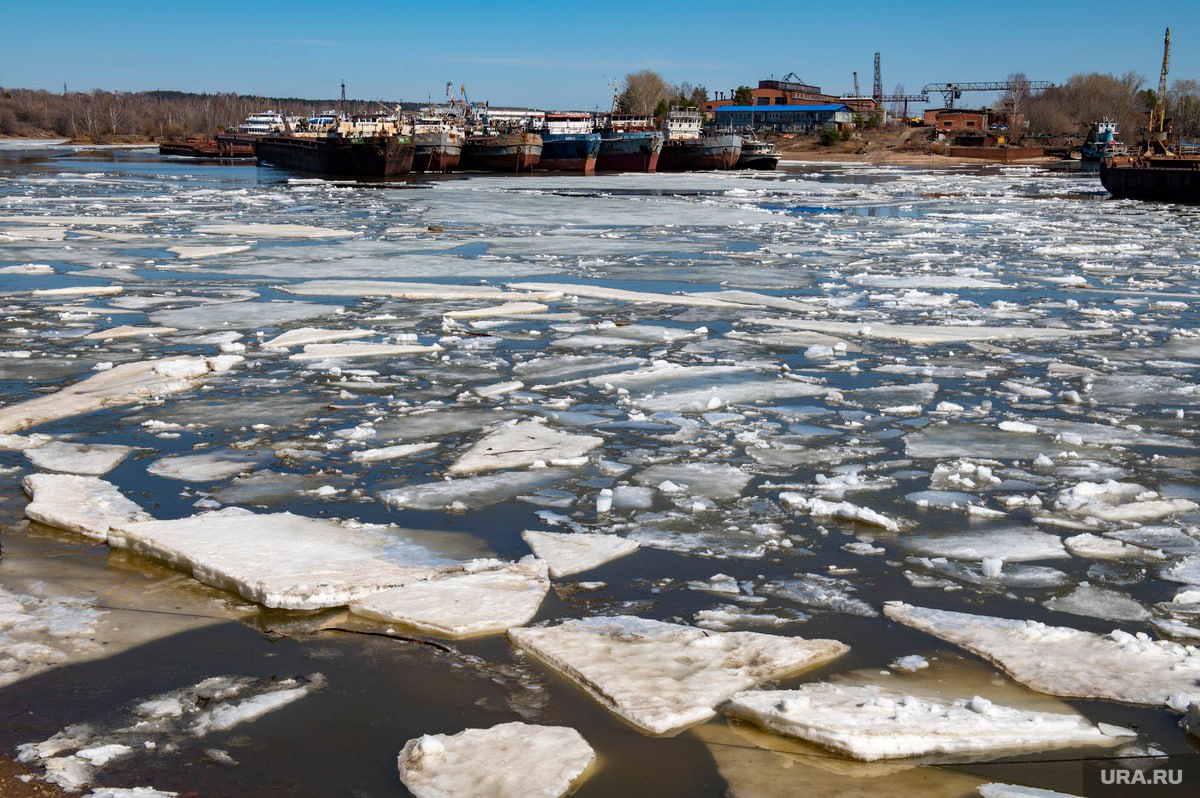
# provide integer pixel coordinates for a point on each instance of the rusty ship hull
(347, 156)
(504, 152)
(705, 153)
(629, 151)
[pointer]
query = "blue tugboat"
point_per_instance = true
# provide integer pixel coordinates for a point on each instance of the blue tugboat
(1101, 142)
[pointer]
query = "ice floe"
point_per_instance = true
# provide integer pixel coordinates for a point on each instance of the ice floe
(89, 459)
(1069, 662)
(482, 597)
(572, 553)
(871, 722)
(521, 445)
(87, 505)
(511, 760)
(663, 677)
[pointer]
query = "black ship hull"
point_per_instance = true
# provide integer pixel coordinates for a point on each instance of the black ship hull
(1166, 179)
(368, 156)
(506, 152)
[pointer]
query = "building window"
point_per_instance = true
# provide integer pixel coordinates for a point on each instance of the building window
(947, 123)
(970, 123)
(781, 100)
(764, 101)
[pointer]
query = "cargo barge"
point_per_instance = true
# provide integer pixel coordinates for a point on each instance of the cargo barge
(1167, 178)
(628, 144)
(501, 152)
(438, 141)
(332, 146)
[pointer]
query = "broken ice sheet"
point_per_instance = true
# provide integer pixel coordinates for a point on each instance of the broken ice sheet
(524, 444)
(817, 592)
(1007, 542)
(73, 756)
(39, 633)
(208, 466)
(663, 677)
(90, 459)
(328, 564)
(481, 597)
(573, 553)
(86, 505)
(1068, 662)
(511, 760)
(1099, 602)
(871, 722)
(472, 492)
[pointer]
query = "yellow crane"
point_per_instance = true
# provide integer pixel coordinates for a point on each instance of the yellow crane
(1156, 137)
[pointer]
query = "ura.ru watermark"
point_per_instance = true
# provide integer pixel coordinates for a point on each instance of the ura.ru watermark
(1158, 777)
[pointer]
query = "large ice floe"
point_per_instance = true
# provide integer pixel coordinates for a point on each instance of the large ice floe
(1063, 661)
(663, 677)
(876, 722)
(511, 760)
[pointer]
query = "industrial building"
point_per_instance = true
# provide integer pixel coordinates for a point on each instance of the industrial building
(785, 118)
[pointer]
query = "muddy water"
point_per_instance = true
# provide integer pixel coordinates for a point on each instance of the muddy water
(864, 246)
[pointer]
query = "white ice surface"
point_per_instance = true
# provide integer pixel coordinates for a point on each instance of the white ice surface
(479, 491)
(511, 760)
(663, 677)
(1068, 662)
(87, 505)
(871, 722)
(39, 632)
(572, 553)
(277, 559)
(123, 384)
(483, 597)
(521, 445)
(1099, 602)
(91, 459)
(208, 466)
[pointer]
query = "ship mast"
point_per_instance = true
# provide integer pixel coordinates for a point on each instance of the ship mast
(1157, 136)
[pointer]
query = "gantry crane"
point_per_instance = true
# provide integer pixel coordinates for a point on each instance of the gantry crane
(952, 91)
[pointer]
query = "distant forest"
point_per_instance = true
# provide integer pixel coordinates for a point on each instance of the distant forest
(113, 117)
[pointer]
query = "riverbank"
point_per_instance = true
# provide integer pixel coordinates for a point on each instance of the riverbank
(888, 147)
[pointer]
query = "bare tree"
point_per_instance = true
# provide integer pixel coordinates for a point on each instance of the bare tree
(1183, 106)
(642, 92)
(1069, 109)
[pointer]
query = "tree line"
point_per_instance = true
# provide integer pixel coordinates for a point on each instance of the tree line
(106, 117)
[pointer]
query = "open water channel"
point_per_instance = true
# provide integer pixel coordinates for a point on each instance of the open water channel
(802, 394)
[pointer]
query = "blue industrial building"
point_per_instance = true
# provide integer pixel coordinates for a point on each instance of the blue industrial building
(785, 118)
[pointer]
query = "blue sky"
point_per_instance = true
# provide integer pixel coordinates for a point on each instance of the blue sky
(567, 54)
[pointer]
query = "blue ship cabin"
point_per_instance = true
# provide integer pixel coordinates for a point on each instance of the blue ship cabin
(788, 118)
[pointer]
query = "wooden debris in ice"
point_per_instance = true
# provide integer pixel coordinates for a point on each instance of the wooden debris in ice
(87, 505)
(522, 445)
(869, 722)
(482, 597)
(569, 553)
(123, 384)
(1068, 662)
(511, 760)
(277, 559)
(663, 677)
(91, 459)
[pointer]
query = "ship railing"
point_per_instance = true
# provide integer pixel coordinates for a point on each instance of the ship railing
(1189, 149)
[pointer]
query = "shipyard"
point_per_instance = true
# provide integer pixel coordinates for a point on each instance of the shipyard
(640, 401)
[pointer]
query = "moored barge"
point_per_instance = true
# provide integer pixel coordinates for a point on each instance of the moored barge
(517, 151)
(332, 146)
(628, 144)
(568, 143)
(686, 147)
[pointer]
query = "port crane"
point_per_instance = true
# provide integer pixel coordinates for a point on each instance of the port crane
(1156, 136)
(952, 91)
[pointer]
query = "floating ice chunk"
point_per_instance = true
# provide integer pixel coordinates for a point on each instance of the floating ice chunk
(207, 251)
(78, 290)
(512, 760)
(501, 311)
(498, 389)
(1099, 602)
(126, 331)
(820, 592)
(1018, 426)
(40, 632)
(312, 335)
(1098, 548)
(521, 445)
(868, 723)
(483, 597)
(391, 452)
(411, 291)
(1118, 502)
(120, 385)
(472, 492)
(348, 351)
(662, 677)
(92, 459)
(278, 559)
(1186, 571)
(927, 334)
(1010, 543)
(992, 567)
(820, 508)
(240, 315)
(87, 505)
(910, 664)
(622, 295)
(1064, 661)
(714, 480)
(573, 553)
(632, 497)
(998, 790)
(130, 792)
(227, 715)
(263, 230)
(208, 466)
